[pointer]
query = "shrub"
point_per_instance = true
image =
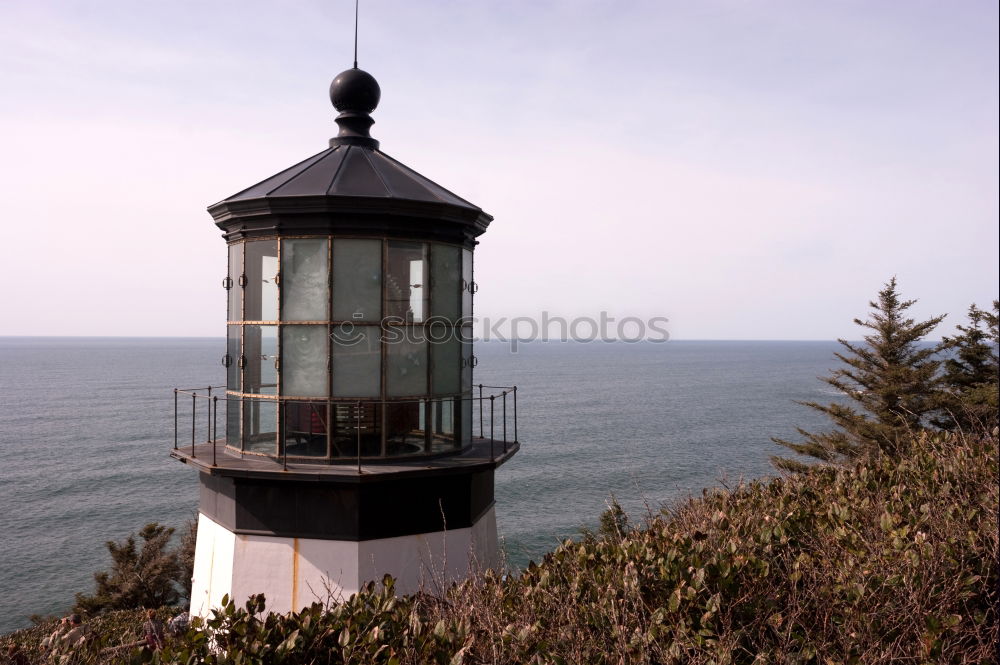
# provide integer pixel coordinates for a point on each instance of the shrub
(139, 577)
(892, 559)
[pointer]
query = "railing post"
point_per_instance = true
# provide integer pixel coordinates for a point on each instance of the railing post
(208, 406)
(505, 422)
(175, 418)
(480, 410)
(194, 412)
(215, 425)
(515, 414)
(492, 438)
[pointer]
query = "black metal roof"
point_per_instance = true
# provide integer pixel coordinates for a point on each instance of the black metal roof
(351, 176)
(351, 170)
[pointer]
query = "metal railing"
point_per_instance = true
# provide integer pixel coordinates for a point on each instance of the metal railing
(211, 403)
(333, 423)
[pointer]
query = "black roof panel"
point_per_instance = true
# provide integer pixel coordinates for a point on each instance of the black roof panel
(351, 171)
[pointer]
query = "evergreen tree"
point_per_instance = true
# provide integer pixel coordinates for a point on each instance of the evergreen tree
(889, 381)
(614, 521)
(613, 524)
(969, 396)
(138, 578)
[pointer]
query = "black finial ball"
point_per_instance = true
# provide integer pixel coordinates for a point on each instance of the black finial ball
(355, 90)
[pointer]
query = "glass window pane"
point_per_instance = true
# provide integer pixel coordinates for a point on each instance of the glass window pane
(403, 433)
(233, 358)
(233, 282)
(357, 280)
(260, 425)
(261, 270)
(467, 420)
(233, 422)
(356, 425)
(406, 365)
(443, 424)
(303, 361)
(305, 428)
(260, 348)
(446, 281)
(467, 286)
(466, 358)
(357, 361)
(446, 358)
(304, 276)
(444, 416)
(406, 281)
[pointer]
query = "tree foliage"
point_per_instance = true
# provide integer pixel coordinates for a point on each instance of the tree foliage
(889, 380)
(145, 576)
(613, 524)
(969, 392)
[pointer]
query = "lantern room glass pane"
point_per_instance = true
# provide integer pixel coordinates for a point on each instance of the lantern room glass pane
(446, 281)
(233, 358)
(357, 361)
(305, 427)
(443, 425)
(467, 358)
(233, 288)
(404, 434)
(406, 365)
(467, 284)
(357, 280)
(406, 289)
(304, 278)
(233, 422)
(304, 351)
(260, 351)
(260, 425)
(260, 301)
(467, 420)
(356, 428)
(446, 364)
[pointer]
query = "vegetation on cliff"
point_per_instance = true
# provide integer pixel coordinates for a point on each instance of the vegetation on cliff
(893, 557)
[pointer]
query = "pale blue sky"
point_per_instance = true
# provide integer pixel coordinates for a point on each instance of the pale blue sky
(751, 170)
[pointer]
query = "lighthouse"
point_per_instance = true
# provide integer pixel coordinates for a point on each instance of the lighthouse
(349, 441)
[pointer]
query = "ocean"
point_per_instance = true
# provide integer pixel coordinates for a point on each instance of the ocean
(86, 425)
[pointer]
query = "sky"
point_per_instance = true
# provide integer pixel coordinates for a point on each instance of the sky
(748, 170)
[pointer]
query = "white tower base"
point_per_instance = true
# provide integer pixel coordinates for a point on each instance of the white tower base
(293, 573)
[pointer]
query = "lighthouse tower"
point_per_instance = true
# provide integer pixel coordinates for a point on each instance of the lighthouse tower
(349, 440)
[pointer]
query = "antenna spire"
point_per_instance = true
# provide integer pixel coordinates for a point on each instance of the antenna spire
(356, 34)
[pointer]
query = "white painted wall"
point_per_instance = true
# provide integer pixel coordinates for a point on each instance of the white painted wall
(213, 566)
(295, 572)
(431, 561)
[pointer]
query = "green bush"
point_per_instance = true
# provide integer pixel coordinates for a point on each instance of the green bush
(140, 576)
(109, 634)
